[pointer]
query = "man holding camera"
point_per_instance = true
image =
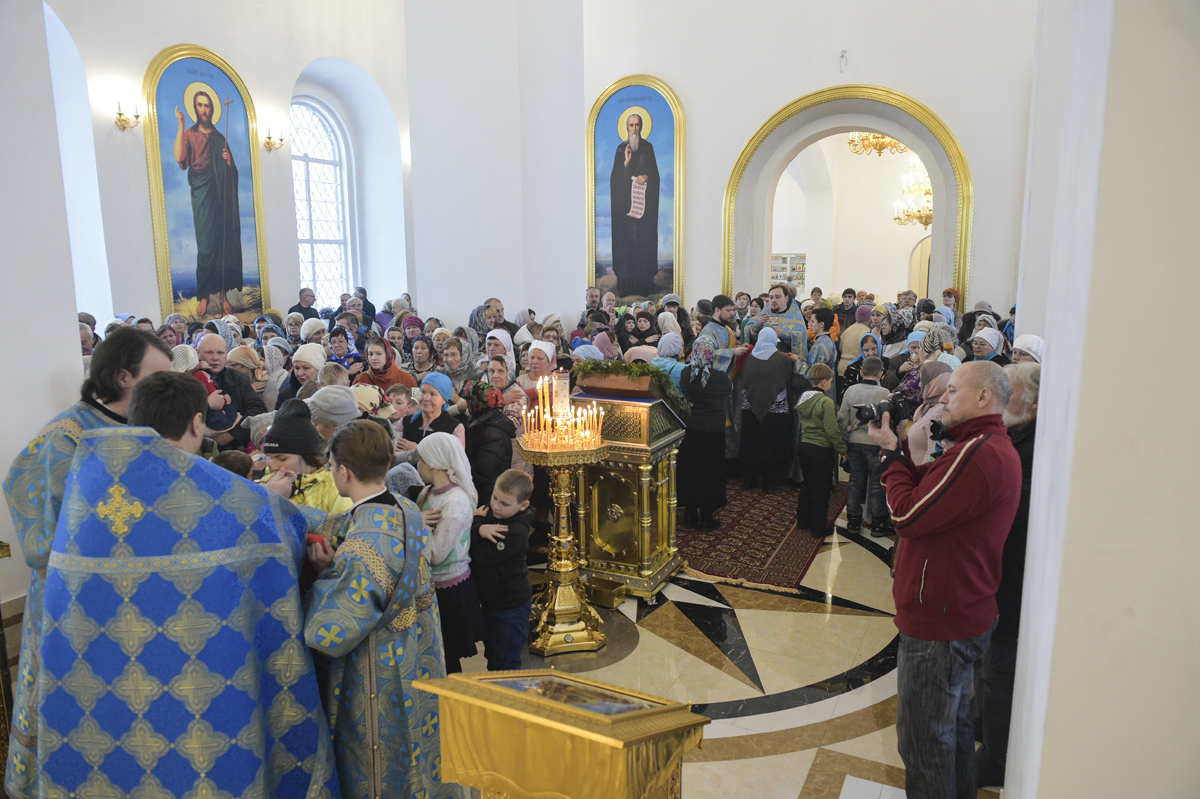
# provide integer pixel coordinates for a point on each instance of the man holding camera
(952, 517)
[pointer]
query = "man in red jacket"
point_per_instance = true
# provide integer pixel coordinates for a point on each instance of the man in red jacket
(952, 517)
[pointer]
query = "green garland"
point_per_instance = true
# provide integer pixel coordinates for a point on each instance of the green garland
(596, 368)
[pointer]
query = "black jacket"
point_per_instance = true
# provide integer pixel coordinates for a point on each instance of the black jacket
(243, 397)
(845, 315)
(499, 570)
(307, 313)
(708, 402)
(287, 391)
(1012, 579)
(489, 450)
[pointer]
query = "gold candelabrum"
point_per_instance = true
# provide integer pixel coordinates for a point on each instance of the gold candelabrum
(562, 443)
(862, 143)
(917, 206)
(124, 122)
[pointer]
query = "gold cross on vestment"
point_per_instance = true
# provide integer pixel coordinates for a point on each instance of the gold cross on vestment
(116, 510)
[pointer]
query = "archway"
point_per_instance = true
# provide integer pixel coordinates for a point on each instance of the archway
(748, 195)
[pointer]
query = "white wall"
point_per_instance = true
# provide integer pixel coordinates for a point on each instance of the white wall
(789, 226)
(734, 65)
(37, 252)
(1107, 698)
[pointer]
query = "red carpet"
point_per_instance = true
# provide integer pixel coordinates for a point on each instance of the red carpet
(758, 543)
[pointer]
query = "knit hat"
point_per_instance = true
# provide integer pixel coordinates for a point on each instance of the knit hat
(670, 345)
(281, 343)
(992, 336)
(372, 399)
(412, 320)
(649, 317)
(292, 431)
(311, 354)
(1034, 345)
(310, 327)
(671, 298)
(862, 314)
(184, 359)
(334, 405)
(939, 339)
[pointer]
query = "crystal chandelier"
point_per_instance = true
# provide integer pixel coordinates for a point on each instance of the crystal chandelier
(862, 143)
(917, 205)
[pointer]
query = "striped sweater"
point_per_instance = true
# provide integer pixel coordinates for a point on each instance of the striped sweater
(952, 517)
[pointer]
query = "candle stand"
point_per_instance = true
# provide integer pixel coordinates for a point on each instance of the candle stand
(563, 621)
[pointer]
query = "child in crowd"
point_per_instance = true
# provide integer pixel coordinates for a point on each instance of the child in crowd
(369, 620)
(863, 453)
(499, 539)
(221, 417)
(292, 445)
(235, 461)
(402, 401)
(822, 440)
(334, 374)
(447, 505)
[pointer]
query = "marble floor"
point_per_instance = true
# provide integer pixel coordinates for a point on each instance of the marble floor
(801, 688)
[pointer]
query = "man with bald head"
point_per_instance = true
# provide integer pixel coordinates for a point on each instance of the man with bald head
(951, 517)
(213, 354)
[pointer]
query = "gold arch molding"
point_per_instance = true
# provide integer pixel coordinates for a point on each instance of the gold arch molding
(921, 113)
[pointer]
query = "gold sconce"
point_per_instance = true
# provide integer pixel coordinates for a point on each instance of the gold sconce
(125, 123)
(272, 144)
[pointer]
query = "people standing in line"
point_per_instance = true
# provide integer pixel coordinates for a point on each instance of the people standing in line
(701, 462)
(863, 453)
(766, 417)
(818, 451)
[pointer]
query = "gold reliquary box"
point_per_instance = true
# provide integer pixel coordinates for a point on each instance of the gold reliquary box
(625, 504)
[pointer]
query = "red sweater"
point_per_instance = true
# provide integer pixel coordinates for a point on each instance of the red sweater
(952, 517)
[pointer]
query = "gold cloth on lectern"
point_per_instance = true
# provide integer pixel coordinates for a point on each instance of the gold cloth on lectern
(526, 734)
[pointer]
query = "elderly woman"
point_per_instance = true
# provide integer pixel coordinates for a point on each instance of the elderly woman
(413, 327)
(515, 402)
(670, 350)
(439, 337)
(542, 361)
(935, 378)
(988, 345)
(459, 371)
(246, 360)
(436, 391)
(179, 324)
(701, 478)
(893, 334)
(275, 358)
(497, 342)
(422, 358)
(766, 414)
(553, 322)
(490, 435)
(307, 363)
(1028, 347)
(312, 331)
(381, 370)
(292, 325)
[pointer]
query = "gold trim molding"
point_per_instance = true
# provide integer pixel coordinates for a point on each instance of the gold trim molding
(915, 109)
(158, 209)
(680, 139)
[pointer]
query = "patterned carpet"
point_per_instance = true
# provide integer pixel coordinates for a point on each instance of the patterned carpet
(758, 543)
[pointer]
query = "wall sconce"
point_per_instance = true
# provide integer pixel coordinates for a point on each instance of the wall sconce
(272, 144)
(125, 123)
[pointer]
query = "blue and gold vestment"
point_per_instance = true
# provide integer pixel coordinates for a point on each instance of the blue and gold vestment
(723, 358)
(172, 662)
(372, 619)
(34, 489)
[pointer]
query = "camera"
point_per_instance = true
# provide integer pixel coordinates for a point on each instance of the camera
(894, 405)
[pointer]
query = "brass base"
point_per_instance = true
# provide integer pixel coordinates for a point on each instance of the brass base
(634, 583)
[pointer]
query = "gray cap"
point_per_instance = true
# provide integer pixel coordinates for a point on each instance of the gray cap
(334, 405)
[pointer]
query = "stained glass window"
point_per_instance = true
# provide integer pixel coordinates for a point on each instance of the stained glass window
(318, 177)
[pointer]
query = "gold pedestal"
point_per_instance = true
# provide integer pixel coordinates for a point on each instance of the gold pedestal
(562, 618)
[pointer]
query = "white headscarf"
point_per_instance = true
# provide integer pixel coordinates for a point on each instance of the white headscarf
(444, 451)
(767, 345)
(993, 337)
(502, 336)
(546, 347)
(667, 323)
(1031, 344)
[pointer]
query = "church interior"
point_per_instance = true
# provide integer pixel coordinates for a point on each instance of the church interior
(1041, 126)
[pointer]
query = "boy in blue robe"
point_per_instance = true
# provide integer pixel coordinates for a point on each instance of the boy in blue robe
(372, 620)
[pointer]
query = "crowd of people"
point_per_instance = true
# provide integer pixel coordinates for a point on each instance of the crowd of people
(416, 419)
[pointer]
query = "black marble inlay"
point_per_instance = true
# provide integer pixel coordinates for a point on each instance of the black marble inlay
(721, 626)
(860, 675)
(815, 595)
(869, 544)
(647, 606)
(706, 590)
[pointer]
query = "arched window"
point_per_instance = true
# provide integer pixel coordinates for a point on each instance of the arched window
(318, 176)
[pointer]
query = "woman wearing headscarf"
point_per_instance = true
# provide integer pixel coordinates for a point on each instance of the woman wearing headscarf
(553, 321)
(626, 327)
(431, 324)
(497, 342)
(293, 323)
(275, 358)
(939, 344)
(432, 417)
(448, 505)
(412, 327)
(667, 323)
(459, 370)
(382, 371)
(267, 333)
(666, 357)
(246, 360)
(766, 420)
(481, 320)
(515, 402)
(701, 463)
(222, 329)
(893, 334)
(312, 331)
(1028, 347)
(900, 370)
(422, 358)
(646, 333)
(525, 317)
(542, 361)
(868, 347)
(490, 435)
(988, 345)
(952, 300)
(439, 337)
(605, 344)
(935, 377)
(179, 324)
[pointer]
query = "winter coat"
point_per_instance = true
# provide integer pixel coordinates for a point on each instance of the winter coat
(489, 450)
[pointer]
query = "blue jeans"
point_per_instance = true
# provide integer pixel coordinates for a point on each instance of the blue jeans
(994, 695)
(933, 715)
(864, 483)
(507, 637)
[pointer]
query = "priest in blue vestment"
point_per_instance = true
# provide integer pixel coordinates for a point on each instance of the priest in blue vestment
(726, 351)
(172, 660)
(34, 489)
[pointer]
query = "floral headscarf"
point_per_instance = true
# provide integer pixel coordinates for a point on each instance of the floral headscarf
(703, 354)
(481, 396)
(899, 327)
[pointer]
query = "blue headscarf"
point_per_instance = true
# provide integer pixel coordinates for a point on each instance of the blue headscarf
(916, 337)
(767, 344)
(442, 385)
(259, 342)
(588, 351)
(878, 347)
